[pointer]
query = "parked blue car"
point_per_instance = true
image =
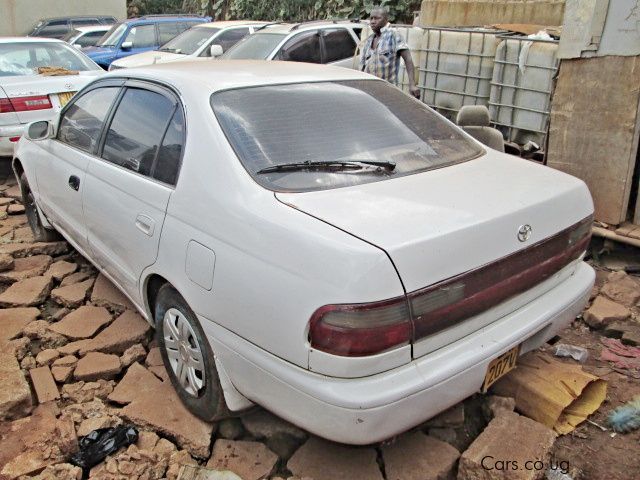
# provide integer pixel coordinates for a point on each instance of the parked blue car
(137, 35)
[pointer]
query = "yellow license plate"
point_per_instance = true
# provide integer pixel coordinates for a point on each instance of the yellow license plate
(64, 97)
(500, 366)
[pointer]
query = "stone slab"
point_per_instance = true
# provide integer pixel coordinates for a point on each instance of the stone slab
(44, 384)
(27, 293)
(416, 456)
(97, 365)
(508, 437)
(249, 460)
(324, 460)
(15, 394)
(106, 294)
(83, 322)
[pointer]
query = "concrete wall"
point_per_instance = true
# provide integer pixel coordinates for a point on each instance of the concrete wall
(18, 17)
(458, 13)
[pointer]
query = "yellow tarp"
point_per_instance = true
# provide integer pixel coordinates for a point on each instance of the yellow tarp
(556, 394)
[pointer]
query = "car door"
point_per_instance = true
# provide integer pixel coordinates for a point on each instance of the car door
(141, 38)
(128, 188)
(303, 47)
(61, 177)
(338, 47)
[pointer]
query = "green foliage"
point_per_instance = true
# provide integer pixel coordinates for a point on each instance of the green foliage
(400, 11)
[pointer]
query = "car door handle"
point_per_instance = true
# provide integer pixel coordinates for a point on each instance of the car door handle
(145, 224)
(74, 182)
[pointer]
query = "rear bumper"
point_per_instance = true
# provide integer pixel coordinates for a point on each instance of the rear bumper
(7, 132)
(371, 409)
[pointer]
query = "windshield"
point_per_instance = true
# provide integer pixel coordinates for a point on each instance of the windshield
(189, 41)
(112, 37)
(352, 121)
(254, 47)
(25, 58)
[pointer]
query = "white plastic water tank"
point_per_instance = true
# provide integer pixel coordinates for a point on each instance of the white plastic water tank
(457, 67)
(520, 99)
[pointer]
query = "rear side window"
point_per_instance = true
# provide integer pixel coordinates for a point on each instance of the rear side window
(304, 47)
(168, 163)
(349, 122)
(84, 21)
(137, 129)
(338, 45)
(168, 30)
(81, 124)
(142, 36)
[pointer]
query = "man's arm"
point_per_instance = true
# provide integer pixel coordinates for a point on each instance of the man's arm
(408, 64)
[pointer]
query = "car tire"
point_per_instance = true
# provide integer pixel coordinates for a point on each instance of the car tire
(40, 232)
(187, 356)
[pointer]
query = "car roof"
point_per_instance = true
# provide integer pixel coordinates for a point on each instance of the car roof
(229, 23)
(29, 40)
(93, 28)
(75, 17)
(229, 74)
(164, 18)
(313, 25)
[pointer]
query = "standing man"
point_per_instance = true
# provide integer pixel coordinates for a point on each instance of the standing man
(381, 53)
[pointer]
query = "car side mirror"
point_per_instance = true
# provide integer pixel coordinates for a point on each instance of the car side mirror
(38, 130)
(78, 46)
(126, 45)
(216, 51)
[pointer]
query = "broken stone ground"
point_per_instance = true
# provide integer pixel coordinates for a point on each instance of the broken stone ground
(76, 357)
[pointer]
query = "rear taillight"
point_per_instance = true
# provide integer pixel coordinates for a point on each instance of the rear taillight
(25, 104)
(367, 329)
(361, 329)
(5, 105)
(447, 303)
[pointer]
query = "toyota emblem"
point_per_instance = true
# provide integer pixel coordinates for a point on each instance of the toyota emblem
(68, 86)
(524, 233)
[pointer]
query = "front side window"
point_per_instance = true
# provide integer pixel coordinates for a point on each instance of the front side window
(355, 132)
(142, 36)
(304, 47)
(338, 45)
(24, 58)
(136, 130)
(81, 124)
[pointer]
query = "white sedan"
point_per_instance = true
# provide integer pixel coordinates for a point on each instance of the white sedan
(26, 95)
(310, 239)
(197, 43)
(82, 37)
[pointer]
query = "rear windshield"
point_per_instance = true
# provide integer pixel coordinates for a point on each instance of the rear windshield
(24, 58)
(254, 47)
(349, 121)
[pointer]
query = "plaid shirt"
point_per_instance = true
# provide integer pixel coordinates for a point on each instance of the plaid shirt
(384, 60)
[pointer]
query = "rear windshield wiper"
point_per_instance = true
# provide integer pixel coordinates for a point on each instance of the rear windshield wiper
(171, 50)
(329, 165)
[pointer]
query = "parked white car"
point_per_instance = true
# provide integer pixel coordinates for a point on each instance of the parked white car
(82, 37)
(326, 42)
(197, 43)
(26, 96)
(356, 262)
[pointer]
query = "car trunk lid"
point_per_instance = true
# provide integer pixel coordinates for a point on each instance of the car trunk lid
(440, 224)
(55, 88)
